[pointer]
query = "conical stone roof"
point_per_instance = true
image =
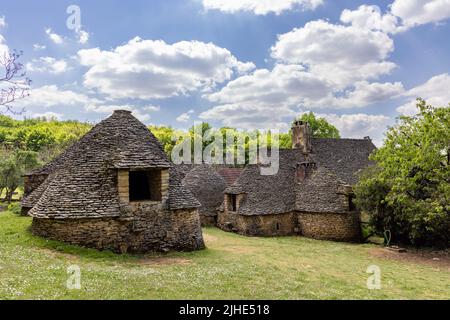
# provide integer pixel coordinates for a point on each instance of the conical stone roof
(83, 181)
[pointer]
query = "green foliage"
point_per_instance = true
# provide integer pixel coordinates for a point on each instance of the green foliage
(28, 143)
(408, 191)
(320, 127)
(13, 166)
(37, 139)
(165, 136)
(15, 208)
(38, 134)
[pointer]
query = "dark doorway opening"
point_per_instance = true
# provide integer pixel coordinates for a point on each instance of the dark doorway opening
(351, 204)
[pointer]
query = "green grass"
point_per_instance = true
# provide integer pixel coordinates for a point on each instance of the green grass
(233, 267)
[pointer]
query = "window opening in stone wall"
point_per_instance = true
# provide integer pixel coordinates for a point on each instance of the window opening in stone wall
(145, 185)
(233, 203)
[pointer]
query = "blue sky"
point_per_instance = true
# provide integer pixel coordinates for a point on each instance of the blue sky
(247, 64)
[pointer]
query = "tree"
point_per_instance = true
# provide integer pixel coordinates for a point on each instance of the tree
(12, 167)
(13, 82)
(165, 136)
(408, 191)
(37, 139)
(320, 127)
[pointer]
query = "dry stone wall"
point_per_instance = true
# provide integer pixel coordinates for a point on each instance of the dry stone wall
(324, 226)
(149, 229)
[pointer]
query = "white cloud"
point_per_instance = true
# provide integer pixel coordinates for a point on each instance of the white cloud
(340, 54)
(435, 91)
(285, 84)
(360, 125)
(151, 108)
(370, 17)
(363, 94)
(265, 98)
(403, 15)
(48, 115)
(3, 47)
(54, 37)
(51, 96)
(261, 7)
(109, 109)
(146, 69)
(38, 47)
(270, 99)
(185, 117)
(2, 22)
(247, 116)
(83, 36)
(47, 64)
(418, 12)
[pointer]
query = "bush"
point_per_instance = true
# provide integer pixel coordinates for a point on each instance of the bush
(408, 191)
(15, 208)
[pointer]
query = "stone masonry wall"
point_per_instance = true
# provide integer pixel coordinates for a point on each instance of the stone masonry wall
(150, 229)
(258, 225)
(32, 182)
(324, 226)
(331, 226)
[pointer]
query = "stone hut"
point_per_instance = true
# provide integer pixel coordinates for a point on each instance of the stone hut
(207, 183)
(114, 189)
(311, 195)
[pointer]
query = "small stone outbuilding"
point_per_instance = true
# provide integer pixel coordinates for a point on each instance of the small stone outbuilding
(114, 189)
(311, 194)
(207, 183)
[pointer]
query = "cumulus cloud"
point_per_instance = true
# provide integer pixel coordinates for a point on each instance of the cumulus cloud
(318, 66)
(261, 7)
(363, 94)
(83, 36)
(47, 64)
(360, 125)
(185, 117)
(271, 98)
(265, 97)
(370, 17)
(51, 96)
(147, 69)
(341, 54)
(403, 15)
(435, 91)
(54, 37)
(418, 12)
(284, 85)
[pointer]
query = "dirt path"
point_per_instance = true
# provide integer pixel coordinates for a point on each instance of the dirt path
(438, 259)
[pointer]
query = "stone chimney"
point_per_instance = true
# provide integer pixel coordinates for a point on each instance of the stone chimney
(301, 136)
(304, 170)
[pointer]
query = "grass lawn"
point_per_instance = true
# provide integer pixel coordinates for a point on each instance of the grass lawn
(233, 267)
